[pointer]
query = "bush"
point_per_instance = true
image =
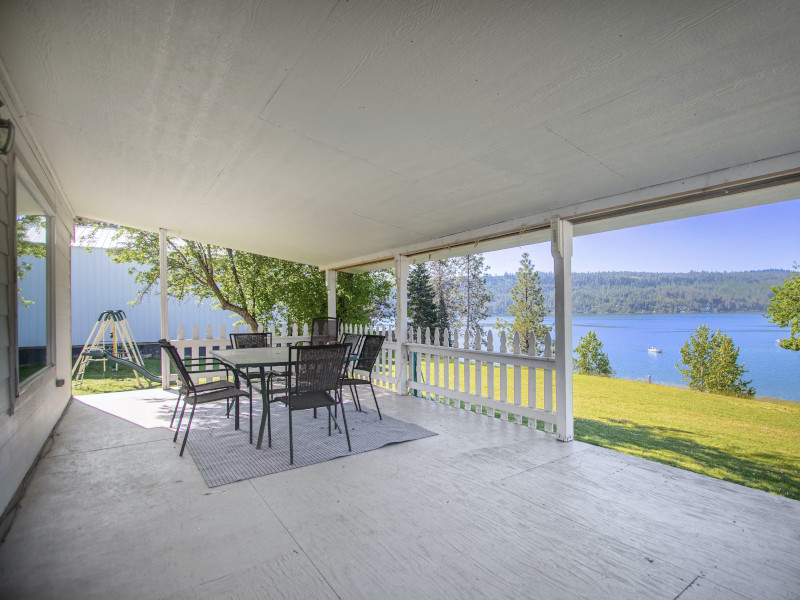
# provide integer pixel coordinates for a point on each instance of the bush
(591, 358)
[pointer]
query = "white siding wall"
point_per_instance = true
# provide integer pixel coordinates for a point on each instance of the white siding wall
(99, 285)
(39, 407)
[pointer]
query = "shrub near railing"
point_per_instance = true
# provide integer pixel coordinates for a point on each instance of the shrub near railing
(455, 374)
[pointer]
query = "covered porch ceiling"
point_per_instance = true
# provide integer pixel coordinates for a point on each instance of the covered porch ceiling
(337, 132)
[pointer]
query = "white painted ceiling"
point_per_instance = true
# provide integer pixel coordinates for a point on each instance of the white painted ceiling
(322, 130)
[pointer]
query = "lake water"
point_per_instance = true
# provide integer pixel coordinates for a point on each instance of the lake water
(775, 372)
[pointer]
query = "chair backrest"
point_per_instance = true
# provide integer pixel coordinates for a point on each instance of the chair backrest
(317, 368)
(324, 330)
(354, 339)
(370, 349)
(177, 363)
(251, 340)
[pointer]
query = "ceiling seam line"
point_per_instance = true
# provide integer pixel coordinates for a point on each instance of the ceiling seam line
(582, 151)
(289, 71)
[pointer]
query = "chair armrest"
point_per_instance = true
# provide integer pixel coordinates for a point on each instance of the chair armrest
(203, 364)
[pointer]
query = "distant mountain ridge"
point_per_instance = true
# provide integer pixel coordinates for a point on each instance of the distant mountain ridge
(633, 292)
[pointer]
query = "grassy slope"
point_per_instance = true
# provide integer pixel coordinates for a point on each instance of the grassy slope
(751, 442)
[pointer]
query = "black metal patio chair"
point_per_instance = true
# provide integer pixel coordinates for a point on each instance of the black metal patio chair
(200, 365)
(370, 350)
(354, 339)
(248, 340)
(314, 383)
(195, 394)
(324, 330)
(251, 340)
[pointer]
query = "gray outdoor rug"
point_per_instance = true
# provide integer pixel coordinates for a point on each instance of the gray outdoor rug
(225, 455)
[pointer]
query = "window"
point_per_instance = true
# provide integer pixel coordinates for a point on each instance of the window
(33, 252)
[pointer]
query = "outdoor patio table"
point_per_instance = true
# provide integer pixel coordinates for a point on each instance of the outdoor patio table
(242, 359)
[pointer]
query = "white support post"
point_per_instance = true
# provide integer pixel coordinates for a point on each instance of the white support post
(330, 283)
(561, 249)
(401, 266)
(164, 284)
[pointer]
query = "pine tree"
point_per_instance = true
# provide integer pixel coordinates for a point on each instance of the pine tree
(712, 364)
(422, 311)
(442, 319)
(591, 358)
(527, 306)
(442, 277)
(471, 293)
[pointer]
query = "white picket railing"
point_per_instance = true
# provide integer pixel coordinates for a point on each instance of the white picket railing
(197, 347)
(503, 381)
(444, 366)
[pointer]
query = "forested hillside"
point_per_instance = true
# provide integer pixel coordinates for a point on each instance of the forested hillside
(626, 292)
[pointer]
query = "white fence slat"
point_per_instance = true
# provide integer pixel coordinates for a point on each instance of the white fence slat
(517, 400)
(532, 379)
(478, 365)
(446, 372)
(503, 370)
(490, 369)
(427, 371)
(456, 365)
(436, 361)
(466, 364)
(548, 383)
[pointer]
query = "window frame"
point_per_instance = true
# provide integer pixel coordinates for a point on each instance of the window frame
(20, 175)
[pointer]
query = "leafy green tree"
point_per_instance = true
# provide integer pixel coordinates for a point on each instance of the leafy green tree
(711, 364)
(27, 228)
(260, 289)
(591, 358)
(784, 309)
(471, 294)
(422, 310)
(527, 306)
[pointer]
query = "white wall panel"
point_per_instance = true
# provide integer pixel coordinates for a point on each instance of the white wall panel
(99, 285)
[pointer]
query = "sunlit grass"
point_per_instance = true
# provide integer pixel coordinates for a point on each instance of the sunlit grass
(750, 442)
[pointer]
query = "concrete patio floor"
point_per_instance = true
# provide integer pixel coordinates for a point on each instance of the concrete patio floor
(485, 509)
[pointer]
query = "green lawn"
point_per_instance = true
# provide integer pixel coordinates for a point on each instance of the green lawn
(751, 442)
(97, 381)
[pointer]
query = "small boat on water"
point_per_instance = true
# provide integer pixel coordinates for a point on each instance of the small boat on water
(654, 350)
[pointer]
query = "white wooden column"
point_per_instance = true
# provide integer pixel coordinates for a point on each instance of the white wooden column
(164, 284)
(561, 249)
(330, 282)
(401, 266)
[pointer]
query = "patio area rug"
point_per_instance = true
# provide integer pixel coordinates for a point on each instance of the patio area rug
(225, 455)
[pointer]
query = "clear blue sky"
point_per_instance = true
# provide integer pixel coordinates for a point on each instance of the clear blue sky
(761, 237)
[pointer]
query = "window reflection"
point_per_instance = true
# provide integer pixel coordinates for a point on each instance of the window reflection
(32, 284)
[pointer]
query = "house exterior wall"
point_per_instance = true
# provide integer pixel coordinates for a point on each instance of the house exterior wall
(27, 419)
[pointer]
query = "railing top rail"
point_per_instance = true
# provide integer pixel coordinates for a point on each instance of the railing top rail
(499, 357)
